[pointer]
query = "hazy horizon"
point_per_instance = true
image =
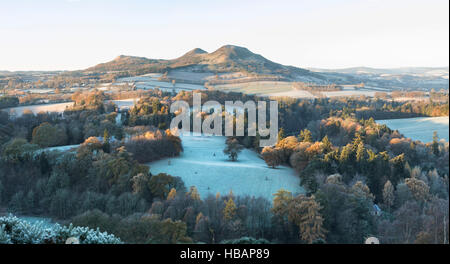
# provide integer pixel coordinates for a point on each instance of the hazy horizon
(77, 34)
(321, 68)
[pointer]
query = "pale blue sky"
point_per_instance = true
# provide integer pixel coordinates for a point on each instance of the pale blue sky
(75, 34)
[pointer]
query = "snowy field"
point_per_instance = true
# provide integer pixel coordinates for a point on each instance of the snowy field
(349, 93)
(420, 128)
(39, 91)
(150, 81)
(203, 164)
(125, 103)
(60, 107)
(286, 89)
(257, 88)
(191, 76)
(293, 94)
(60, 148)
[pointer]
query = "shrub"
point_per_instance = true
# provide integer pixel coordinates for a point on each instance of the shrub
(246, 240)
(16, 231)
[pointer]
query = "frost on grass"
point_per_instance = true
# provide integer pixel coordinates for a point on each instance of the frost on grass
(204, 165)
(420, 128)
(58, 107)
(150, 81)
(17, 231)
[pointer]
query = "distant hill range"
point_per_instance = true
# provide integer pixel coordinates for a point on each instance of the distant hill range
(231, 64)
(424, 71)
(404, 78)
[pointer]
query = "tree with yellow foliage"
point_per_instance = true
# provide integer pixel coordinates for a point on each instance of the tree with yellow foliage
(418, 188)
(362, 190)
(305, 213)
(280, 202)
(193, 193)
(271, 156)
(230, 209)
(388, 194)
(305, 136)
(172, 194)
(199, 217)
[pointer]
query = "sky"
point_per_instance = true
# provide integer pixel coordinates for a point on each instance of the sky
(76, 34)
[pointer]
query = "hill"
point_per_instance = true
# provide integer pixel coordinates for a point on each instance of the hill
(129, 63)
(424, 71)
(227, 59)
(416, 78)
(233, 65)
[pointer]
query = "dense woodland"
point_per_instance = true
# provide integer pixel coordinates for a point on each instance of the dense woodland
(8, 101)
(346, 162)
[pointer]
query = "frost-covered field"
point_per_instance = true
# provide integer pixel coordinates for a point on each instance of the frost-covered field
(286, 89)
(125, 103)
(39, 91)
(293, 94)
(191, 76)
(258, 87)
(203, 164)
(150, 81)
(420, 128)
(60, 107)
(349, 93)
(60, 148)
